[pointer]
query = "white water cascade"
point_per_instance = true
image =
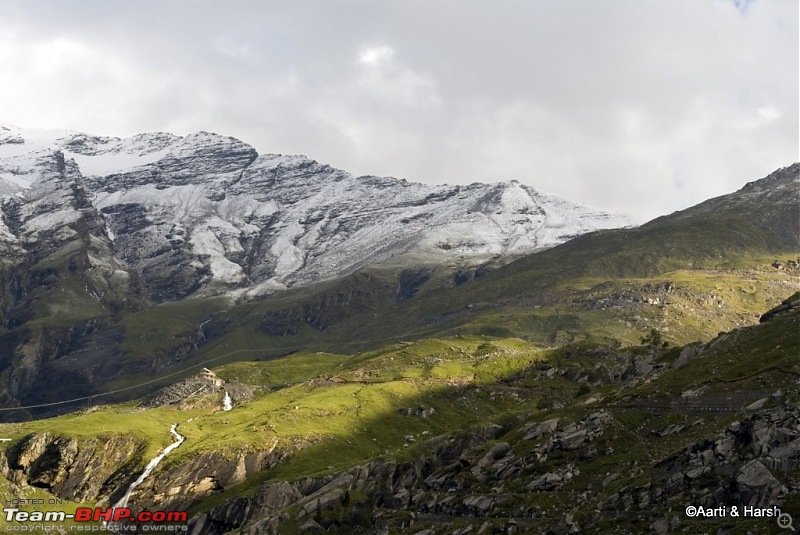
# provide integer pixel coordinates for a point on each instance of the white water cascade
(227, 402)
(123, 502)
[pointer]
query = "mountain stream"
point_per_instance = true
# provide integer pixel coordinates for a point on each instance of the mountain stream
(123, 502)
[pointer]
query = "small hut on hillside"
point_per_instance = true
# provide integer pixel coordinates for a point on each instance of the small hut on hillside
(211, 377)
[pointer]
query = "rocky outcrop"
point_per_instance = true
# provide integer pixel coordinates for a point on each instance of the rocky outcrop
(470, 476)
(440, 484)
(610, 367)
(73, 469)
(735, 467)
(182, 485)
(786, 307)
(197, 389)
(389, 484)
(101, 469)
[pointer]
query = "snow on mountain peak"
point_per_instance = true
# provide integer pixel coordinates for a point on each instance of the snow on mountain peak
(208, 210)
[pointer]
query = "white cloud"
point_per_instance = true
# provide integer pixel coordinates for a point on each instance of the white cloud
(375, 55)
(768, 114)
(383, 79)
(63, 80)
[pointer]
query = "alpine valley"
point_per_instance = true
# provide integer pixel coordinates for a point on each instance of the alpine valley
(300, 350)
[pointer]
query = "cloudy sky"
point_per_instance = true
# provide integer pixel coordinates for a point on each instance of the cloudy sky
(637, 106)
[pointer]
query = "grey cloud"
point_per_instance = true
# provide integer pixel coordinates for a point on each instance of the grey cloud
(644, 107)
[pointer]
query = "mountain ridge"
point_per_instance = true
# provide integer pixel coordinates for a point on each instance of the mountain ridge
(263, 222)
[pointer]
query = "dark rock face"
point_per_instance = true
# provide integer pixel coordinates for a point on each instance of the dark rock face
(356, 294)
(190, 160)
(410, 281)
(62, 270)
(731, 468)
(787, 306)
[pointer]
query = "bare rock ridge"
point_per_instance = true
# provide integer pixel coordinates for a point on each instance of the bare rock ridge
(205, 214)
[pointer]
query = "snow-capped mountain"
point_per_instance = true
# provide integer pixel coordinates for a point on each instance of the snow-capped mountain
(206, 213)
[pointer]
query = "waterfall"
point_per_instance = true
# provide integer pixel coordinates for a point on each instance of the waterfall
(227, 402)
(123, 502)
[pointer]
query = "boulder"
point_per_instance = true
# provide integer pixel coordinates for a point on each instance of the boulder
(660, 526)
(787, 451)
(276, 496)
(311, 527)
(479, 505)
(757, 404)
(320, 501)
(536, 430)
(572, 441)
(757, 486)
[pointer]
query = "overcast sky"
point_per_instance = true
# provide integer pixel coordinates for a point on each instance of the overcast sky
(638, 106)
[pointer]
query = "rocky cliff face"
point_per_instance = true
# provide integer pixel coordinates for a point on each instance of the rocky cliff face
(56, 232)
(101, 469)
(72, 469)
